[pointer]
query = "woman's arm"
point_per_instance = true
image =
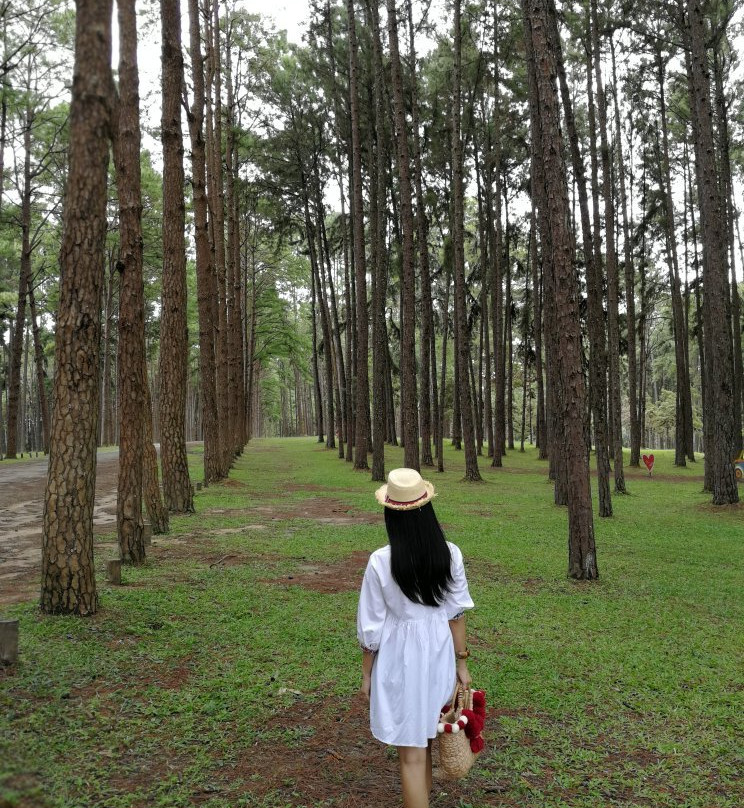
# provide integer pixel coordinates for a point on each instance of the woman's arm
(459, 635)
(368, 660)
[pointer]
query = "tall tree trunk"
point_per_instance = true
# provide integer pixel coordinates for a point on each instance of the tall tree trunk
(3, 139)
(25, 429)
(719, 451)
(683, 430)
(613, 326)
(422, 233)
(350, 366)
(553, 425)
(16, 344)
(68, 582)
(236, 319)
(493, 195)
(360, 267)
(205, 274)
(316, 369)
(409, 398)
(216, 229)
(443, 376)
(508, 334)
(337, 387)
(525, 344)
(324, 251)
(131, 294)
(642, 322)
(40, 371)
(3, 442)
(537, 330)
(629, 276)
(156, 510)
(325, 320)
(595, 312)
(700, 329)
(107, 393)
(483, 228)
(174, 343)
(559, 248)
(379, 275)
(727, 191)
(458, 239)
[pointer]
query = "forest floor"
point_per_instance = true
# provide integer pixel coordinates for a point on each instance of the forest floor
(224, 671)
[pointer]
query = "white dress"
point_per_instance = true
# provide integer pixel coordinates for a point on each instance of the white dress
(414, 670)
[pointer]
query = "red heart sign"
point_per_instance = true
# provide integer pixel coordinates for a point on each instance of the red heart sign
(649, 461)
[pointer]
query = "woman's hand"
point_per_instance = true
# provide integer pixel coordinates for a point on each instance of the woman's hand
(463, 674)
(366, 686)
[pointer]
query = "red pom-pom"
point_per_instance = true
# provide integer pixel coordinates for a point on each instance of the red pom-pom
(476, 744)
(448, 727)
(479, 702)
(475, 724)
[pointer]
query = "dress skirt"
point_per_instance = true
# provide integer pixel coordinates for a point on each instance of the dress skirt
(413, 674)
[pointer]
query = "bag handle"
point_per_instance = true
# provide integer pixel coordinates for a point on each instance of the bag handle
(462, 697)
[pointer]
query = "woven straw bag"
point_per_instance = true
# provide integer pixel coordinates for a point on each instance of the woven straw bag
(456, 758)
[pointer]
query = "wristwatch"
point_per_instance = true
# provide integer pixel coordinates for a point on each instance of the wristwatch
(462, 654)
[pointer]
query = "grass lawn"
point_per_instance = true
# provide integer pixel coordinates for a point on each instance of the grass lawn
(224, 671)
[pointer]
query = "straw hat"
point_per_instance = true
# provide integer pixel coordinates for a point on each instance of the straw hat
(405, 490)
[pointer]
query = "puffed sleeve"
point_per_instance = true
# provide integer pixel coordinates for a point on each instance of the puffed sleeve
(371, 611)
(458, 597)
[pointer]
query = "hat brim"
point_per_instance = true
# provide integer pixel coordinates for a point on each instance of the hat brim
(381, 495)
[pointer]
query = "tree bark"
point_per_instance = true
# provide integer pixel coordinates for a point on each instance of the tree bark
(595, 312)
(205, 273)
(508, 333)
(325, 321)
(316, 369)
(422, 234)
(559, 248)
(683, 426)
(629, 276)
(40, 371)
(325, 266)
(483, 227)
(443, 375)
(719, 450)
(131, 294)
(107, 431)
(537, 330)
(458, 238)
(613, 327)
(727, 190)
(174, 347)
(379, 274)
(216, 229)
(493, 176)
(156, 510)
(236, 319)
(16, 344)
(360, 267)
(68, 582)
(409, 398)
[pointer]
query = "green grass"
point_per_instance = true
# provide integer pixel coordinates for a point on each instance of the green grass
(626, 691)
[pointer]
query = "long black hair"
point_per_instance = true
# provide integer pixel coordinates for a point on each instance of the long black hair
(419, 555)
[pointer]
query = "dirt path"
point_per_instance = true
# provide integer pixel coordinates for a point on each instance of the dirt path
(21, 509)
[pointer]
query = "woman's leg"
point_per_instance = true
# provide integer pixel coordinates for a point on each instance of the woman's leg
(415, 775)
(428, 767)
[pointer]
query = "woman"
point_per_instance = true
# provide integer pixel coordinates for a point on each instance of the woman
(411, 627)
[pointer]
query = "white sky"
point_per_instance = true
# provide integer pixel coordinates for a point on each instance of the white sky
(290, 15)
